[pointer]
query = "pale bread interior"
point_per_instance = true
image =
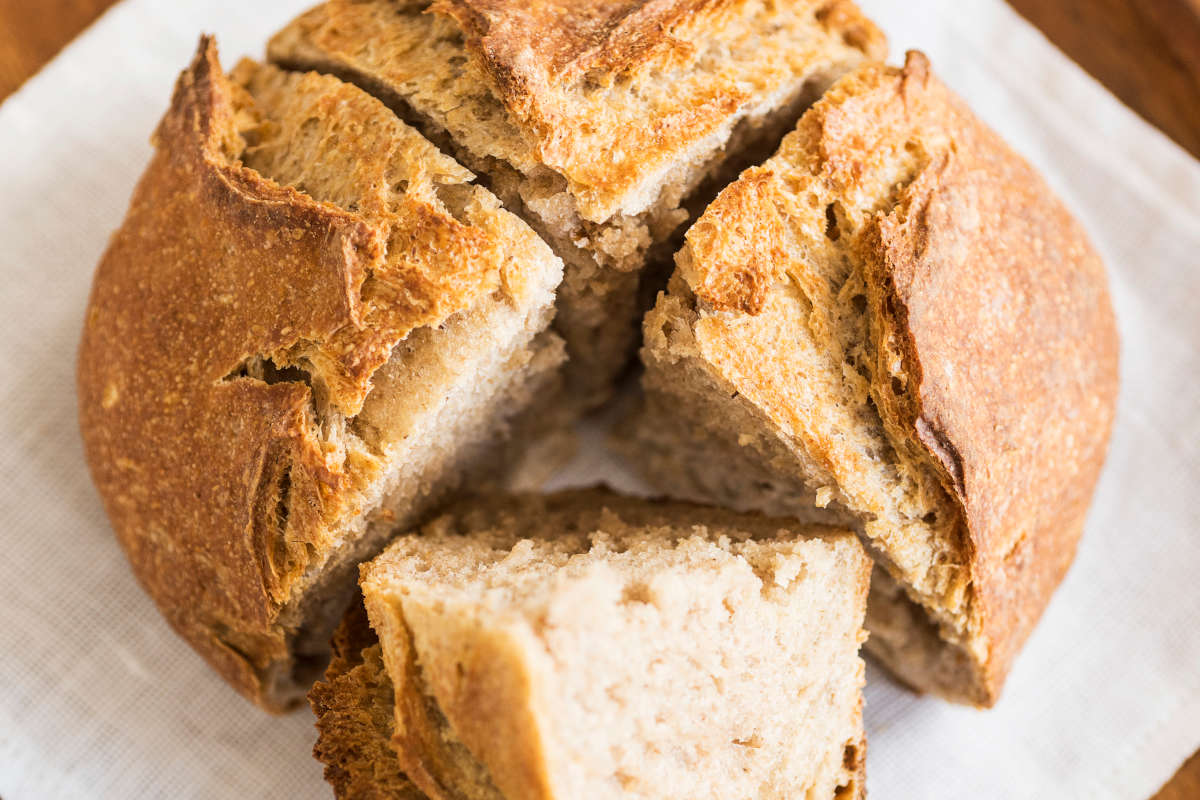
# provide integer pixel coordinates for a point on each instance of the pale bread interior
(611, 655)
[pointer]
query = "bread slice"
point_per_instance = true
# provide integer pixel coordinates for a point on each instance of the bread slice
(600, 124)
(585, 645)
(311, 326)
(894, 324)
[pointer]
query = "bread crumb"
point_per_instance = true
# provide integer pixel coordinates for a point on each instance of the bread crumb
(824, 495)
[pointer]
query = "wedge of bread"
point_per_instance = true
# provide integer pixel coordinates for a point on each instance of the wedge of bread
(585, 645)
(601, 124)
(311, 326)
(894, 324)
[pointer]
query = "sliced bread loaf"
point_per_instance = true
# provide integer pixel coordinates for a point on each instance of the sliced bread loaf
(310, 327)
(601, 124)
(895, 324)
(585, 645)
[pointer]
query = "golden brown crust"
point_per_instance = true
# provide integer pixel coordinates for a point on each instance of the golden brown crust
(221, 478)
(613, 94)
(550, 64)
(366, 753)
(486, 692)
(736, 246)
(992, 337)
(437, 264)
(1009, 341)
(625, 162)
(355, 720)
(154, 399)
(526, 44)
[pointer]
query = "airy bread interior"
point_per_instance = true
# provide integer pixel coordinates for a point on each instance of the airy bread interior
(417, 61)
(588, 646)
(441, 408)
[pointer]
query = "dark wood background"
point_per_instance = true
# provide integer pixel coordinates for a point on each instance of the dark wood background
(1147, 52)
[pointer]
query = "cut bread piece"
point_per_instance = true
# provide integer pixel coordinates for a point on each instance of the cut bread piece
(586, 645)
(311, 327)
(355, 706)
(893, 323)
(599, 124)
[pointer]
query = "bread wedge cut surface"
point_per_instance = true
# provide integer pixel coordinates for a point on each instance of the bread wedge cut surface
(586, 645)
(600, 123)
(894, 324)
(311, 326)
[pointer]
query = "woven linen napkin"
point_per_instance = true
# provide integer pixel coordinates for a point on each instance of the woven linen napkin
(99, 699)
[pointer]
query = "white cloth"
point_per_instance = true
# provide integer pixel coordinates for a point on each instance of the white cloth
(99, 699)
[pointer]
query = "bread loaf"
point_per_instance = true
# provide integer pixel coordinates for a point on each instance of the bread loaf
(600, 124)
(585, 645)
(314, 327)
(310, 327)
(894, 324)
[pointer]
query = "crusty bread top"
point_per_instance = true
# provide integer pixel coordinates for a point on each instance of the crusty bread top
(234, 326)
(992, 334)
(609, 94)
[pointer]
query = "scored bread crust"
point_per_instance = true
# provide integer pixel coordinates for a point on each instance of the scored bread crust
(609, 95)
(992, 339)
(224, 485)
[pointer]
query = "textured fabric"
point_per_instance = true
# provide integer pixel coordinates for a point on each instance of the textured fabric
(99, 699)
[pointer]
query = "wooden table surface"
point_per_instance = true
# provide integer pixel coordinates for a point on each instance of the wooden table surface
(1147, 52)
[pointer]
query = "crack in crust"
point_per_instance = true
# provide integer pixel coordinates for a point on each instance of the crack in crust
(633, 128)
(315, 131)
